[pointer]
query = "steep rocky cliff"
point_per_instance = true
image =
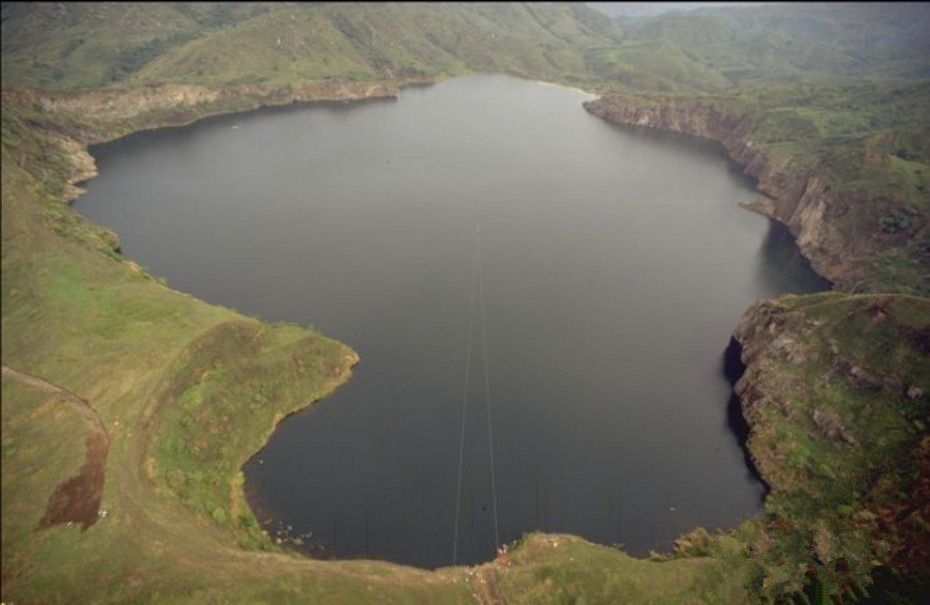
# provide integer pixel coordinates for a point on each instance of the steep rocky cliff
(835, 393)
(803, 195)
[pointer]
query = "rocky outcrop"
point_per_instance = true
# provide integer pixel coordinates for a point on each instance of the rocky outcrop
(800, 198)
(830, 427)
(74, 120)
(82, 166)
(833, 337)
(761, 337)
(834, 395)
(97, 116)
(71, 121)
(127, 104)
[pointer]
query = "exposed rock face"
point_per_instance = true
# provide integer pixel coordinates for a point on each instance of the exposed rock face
(103, 115)
(79, 119)
(831, 427)
(833, 338)
(800, 199)
(757, 334)
(127, 104)
(82, 166)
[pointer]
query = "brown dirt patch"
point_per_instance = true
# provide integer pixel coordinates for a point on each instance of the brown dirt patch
(78, 499)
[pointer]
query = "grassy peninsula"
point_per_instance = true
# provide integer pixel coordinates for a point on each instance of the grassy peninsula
(137, 495)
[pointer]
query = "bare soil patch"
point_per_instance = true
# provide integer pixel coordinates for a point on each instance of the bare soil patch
(77, 499)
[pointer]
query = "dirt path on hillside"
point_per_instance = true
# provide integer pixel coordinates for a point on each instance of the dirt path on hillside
(77, 499)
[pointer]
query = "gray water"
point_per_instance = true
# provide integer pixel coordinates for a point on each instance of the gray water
(615, 265)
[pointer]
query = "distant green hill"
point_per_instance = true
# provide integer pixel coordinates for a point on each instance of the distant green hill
(73, 46)
(77, 45)
(751, 45)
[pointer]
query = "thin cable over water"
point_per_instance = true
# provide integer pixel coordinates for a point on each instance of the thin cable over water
(471, 321)
(487, 390)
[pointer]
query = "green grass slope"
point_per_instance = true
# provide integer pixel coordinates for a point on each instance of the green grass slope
(813, 42)
(187, 391)
(88, 46)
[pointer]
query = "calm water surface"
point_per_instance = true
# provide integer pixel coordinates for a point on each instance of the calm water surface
(615, 265)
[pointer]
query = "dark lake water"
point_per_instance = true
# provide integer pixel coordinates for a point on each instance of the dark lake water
(614, 265)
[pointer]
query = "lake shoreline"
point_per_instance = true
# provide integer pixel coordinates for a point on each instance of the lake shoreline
(325, 100)
(535, 550)
(799, 202)
(85, 167)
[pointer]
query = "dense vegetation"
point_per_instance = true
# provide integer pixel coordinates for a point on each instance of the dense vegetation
(840, 88)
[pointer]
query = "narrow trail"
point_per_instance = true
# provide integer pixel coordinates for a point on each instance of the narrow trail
(88, 413)
(76, 499)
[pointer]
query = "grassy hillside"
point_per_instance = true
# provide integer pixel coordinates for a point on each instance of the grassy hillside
(82, 46)
(77, 46)
(815, 42)
(187, 391)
